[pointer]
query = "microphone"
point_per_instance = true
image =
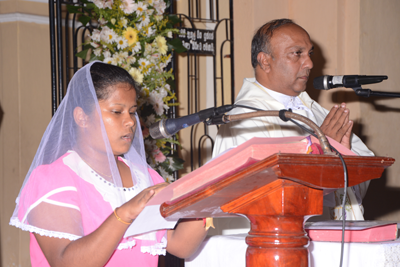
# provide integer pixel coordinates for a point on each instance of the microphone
(349, 81)
(167, 127)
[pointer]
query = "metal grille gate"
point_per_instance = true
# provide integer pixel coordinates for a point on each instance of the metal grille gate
(217, 16)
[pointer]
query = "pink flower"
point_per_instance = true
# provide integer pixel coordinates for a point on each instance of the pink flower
(128, 6)
(160, 7)
(158, 155)
(109, 3)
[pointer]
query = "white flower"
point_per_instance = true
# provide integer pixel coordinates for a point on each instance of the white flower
(148, 50)
(136, 75)
(160, 7)
(144, 93)
(169, 34)
(120, 57)
(128, 6)
(107, 54)
(162, 92)
(130, 60)
(97, 51)
(102, 21)
(95, 36)
(150, 120)
(150, 31)
(94, 45)
(137, 47)
(156, 100)
(108, 35)
(168, 60)
(164, 174)
(158, 17)
(110, 60)
(99, 3)
(139, 27)
(164, 65)
(140, 8)
(145, 20)
(108, 4)
(143, 63)
(124, 54)
(171, 163)
(122, 42)
(150, 2)
(149, 12)
(154, 58)
(124, 22)
(150, 144)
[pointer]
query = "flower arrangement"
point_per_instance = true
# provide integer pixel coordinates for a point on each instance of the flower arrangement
(137, 35)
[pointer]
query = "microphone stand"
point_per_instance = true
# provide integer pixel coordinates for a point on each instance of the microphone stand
(284, 115)
(368, 92)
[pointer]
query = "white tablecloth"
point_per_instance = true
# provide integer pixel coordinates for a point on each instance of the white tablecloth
(230, 250)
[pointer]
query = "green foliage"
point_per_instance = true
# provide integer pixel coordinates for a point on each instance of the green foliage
(176, 45)
(84, 20)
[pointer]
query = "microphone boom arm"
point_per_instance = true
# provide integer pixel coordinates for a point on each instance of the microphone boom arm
(323, 141)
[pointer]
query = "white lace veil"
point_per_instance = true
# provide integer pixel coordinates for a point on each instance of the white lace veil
(65, 181)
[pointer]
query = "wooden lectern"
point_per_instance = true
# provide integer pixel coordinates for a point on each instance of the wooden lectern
(276, 194)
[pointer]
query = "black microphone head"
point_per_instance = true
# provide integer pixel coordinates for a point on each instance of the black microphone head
(319, 83)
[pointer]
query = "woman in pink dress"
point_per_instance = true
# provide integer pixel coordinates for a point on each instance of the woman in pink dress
(89, 180)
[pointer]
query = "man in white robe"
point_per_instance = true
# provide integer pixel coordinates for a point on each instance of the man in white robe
(281, 53)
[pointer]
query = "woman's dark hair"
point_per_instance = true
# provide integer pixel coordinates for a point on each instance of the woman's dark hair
(103, 77)
(106, 75)
(261, 40)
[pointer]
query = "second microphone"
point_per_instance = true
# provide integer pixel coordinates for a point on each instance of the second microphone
(168, 127)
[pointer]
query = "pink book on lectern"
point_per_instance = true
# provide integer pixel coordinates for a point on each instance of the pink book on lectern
(219, 168)
(237, 159)
(356, 231)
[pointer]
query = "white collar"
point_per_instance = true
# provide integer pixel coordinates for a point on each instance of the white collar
(290, 102)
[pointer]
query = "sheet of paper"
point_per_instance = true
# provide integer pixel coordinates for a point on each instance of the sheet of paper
(142, 224)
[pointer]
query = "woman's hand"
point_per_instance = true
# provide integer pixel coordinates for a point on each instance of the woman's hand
(131, 209)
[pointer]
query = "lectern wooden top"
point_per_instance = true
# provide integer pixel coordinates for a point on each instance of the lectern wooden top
(315, 171)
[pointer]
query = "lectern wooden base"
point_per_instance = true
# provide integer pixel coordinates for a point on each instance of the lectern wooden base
(277, 237)
(276, 194)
